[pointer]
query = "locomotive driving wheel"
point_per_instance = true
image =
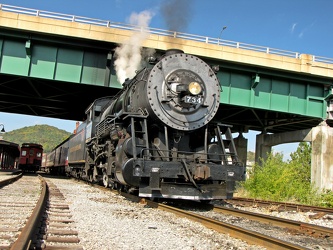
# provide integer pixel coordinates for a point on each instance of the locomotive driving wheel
(118, 187)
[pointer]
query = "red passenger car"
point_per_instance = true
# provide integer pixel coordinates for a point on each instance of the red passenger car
(31, 157)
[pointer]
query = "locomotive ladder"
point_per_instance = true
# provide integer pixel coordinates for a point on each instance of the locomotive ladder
(137, 133)
(227, 144)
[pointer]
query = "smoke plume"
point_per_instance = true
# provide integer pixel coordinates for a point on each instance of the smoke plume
(176, 14)
(128, 55)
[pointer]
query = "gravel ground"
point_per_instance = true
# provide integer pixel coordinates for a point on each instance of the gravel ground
(4, 175)
(108, 221)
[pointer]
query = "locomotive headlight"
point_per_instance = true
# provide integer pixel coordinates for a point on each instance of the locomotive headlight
(194, 88)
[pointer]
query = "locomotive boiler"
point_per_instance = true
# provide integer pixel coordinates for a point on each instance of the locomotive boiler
(158, 137)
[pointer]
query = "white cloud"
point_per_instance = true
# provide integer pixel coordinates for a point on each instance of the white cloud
(293, 28)
(306, 29)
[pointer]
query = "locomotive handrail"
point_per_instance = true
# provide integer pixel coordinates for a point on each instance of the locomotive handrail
(156, 31)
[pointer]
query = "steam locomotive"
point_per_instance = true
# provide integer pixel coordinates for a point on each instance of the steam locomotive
(157, 136)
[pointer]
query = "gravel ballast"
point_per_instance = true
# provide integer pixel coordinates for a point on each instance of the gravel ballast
(108, 221)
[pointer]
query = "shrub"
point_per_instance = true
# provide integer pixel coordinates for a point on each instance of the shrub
(326, 198)
(274, 179)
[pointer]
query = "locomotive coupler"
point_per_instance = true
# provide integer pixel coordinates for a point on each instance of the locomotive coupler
(202, 172)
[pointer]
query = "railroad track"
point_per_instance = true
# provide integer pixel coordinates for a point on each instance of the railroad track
(279, 206)
(35, 215)
(57, 230)
(291, 225)
(296, 229)
(288, 226)
(7, 179)
(18, 201)
(238, 232)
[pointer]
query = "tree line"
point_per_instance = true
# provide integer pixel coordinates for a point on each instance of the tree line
(46, 135)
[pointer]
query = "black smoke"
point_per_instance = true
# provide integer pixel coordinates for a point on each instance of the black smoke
(177, 14)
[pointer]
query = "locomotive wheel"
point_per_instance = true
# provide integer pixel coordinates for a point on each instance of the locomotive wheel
(112, 185)
(116, 186)
(125, 189)
(90, 178)
(105, 180)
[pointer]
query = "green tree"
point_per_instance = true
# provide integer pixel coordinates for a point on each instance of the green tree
(301, 160)
(265, 178)
(46, 135)
(300, 166)
(274, 179)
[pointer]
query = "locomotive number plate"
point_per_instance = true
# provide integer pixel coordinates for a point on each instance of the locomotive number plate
(193, 99)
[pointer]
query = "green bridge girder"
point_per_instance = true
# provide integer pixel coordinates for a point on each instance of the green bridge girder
(282, 95)
(55, 63)
(40, 76)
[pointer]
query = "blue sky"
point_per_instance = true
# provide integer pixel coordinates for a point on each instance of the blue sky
(303, 26)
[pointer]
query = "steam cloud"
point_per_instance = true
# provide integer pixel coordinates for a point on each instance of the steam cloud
(129, 54)
(176, 14)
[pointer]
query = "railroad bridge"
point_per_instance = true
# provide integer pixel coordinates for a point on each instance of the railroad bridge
(55, 65)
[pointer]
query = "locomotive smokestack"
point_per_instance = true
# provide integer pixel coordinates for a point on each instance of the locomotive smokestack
(170, 52)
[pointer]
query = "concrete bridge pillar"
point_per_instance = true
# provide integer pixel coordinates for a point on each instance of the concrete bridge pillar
(262, 147)
(265, 142)
(321, 138)
(241, 146)
(322, 157)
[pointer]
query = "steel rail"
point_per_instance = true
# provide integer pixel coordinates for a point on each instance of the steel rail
(249, 236)
(282, 205)
(10, 180)
(310, 229)
(156, 31)
(25, 238)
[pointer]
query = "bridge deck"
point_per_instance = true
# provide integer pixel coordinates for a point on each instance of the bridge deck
(42, 59)
(302, 64)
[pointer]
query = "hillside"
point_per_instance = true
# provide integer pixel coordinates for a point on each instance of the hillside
(46, 135)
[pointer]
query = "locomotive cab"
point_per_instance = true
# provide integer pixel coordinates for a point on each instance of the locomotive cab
(93, 113)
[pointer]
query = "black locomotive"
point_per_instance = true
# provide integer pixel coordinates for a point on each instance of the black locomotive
(157, 137)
